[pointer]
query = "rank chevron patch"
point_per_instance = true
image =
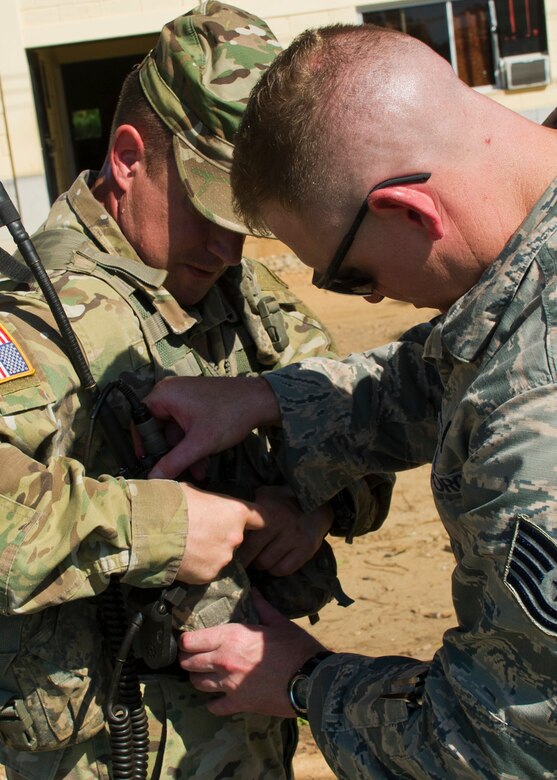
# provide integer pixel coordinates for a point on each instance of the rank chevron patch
(531, 574)
(13, 362)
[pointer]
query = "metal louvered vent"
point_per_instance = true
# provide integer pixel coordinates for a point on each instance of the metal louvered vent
(531, 70)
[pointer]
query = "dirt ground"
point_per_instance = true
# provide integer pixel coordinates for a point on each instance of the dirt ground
(399, 576)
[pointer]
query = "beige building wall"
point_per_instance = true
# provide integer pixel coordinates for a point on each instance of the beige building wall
(30, 24)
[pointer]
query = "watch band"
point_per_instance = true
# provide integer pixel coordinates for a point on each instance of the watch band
(307, 668)
(302, 675)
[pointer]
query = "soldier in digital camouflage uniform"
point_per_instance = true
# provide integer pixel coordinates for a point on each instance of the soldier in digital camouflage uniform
(66, 529)
(471, 230)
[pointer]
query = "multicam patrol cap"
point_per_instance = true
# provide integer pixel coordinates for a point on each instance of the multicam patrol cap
(198, 79)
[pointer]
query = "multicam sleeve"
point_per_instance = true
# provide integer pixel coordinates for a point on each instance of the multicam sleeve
(373, 413)
(63, 534)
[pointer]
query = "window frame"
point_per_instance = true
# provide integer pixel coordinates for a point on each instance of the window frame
(493, 33)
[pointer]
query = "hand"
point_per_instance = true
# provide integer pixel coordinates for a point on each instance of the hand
(249, 665)
(213, 413)
(290, 537)
(215, 529)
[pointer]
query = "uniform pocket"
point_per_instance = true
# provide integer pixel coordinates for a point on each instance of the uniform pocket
(61, 674)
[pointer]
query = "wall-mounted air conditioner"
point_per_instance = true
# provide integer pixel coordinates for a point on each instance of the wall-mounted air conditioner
(525, 70)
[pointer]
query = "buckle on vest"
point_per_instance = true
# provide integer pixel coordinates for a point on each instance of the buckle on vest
(16, 726)
(271, 317)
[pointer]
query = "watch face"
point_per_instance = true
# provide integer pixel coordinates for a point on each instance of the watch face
(299, 692)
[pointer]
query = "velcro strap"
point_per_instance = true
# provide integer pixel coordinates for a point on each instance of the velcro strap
(10, 268)
(155, 327)
(16, 726)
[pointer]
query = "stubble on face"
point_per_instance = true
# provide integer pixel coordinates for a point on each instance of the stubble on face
(168, 233)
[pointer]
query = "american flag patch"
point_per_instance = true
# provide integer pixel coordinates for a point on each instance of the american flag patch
(531, 574)
(13, 363)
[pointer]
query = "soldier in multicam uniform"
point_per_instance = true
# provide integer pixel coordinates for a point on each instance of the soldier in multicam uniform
(462, 217)
(152, 279)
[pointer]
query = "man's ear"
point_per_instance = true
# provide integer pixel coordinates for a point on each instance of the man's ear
(418, 207)
(126, 152)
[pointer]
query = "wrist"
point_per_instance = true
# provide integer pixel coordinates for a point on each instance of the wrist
(298, 685)
(263, 403)
(328, 517)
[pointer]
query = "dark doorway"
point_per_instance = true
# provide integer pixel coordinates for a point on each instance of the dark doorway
(76, 87)
(92, 88)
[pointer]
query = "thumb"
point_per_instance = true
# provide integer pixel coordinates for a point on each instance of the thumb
(176, 461)
(268, 615)
(255, 519)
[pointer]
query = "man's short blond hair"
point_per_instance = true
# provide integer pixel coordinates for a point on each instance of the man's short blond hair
(282, 148)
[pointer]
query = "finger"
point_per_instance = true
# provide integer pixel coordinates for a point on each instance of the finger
(206, 640)
(252, 546)
(167, 394)
(208, 683)
(198, 470)
(177, 460)
(268, 615)
(173, 433)
(195, 662)
(289, 563)
(255, 521)
(271, 555)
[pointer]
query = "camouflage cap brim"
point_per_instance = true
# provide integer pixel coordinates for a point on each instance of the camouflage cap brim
(208, 186)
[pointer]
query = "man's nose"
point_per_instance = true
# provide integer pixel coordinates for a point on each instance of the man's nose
(225, 244)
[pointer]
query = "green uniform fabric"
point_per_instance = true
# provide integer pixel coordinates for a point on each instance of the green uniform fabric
(473, 393)
(65, 532)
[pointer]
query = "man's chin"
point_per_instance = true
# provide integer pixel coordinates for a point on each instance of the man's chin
(191, 297)
(189, 292)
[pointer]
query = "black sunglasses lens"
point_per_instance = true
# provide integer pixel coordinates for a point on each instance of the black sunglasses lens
(347, 286)
(351, 286)
(317, 279)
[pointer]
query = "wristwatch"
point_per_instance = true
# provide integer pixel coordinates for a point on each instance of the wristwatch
(298, 686)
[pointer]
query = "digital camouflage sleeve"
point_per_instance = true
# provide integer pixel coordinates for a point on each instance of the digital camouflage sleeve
(65, 533)
(474, 394)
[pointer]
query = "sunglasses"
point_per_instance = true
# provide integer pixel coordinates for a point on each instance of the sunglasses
(357, 285)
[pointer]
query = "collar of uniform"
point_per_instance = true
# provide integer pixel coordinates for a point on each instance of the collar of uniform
(472, 319)
(213, 310)
(95, 219)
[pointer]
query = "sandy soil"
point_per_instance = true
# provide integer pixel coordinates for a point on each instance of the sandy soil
(399, 576)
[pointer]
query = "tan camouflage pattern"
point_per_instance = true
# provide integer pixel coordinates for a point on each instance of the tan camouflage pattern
(472, 393)
(97, 525)
(198, 79)
(181, 744)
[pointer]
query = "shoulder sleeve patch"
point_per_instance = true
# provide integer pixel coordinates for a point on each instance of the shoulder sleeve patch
(531, 574)
(13, 362)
